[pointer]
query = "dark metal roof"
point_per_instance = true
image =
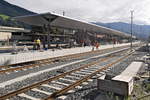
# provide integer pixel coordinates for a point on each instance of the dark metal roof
(66, 22)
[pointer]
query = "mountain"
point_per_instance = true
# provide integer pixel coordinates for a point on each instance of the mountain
(8, 10)
(12, 10)
(141, 31)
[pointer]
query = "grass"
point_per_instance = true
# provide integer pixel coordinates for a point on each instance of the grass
(4, 17)
(147, 87)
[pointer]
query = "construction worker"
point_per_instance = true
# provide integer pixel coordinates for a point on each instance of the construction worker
(34, 45)
(97, 45)
(38, 43)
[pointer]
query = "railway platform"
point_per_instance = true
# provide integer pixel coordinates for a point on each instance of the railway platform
(8, 58)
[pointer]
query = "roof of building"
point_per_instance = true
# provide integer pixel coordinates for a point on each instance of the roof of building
(66, 22)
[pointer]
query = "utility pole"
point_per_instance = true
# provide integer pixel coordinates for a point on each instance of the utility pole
(149, 71)
(63, 13)
(131, 26)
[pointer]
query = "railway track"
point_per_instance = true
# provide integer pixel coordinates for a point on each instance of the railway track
(58, 85)
(24, 66)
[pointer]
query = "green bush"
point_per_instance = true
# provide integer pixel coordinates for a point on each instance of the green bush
(4, 17)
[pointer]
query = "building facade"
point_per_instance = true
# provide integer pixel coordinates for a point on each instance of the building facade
(10, 34)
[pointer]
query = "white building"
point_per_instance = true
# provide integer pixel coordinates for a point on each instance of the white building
(8, 34)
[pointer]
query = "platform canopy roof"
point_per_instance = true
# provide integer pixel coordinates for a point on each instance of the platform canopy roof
(66, 22)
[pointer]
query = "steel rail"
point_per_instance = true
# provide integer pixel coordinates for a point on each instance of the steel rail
(50, 60)
(77, 83)
(49, 80)
(55, 58)
(11, 94)
(66, 56)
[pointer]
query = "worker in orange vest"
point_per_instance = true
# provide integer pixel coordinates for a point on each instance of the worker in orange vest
(97, 45)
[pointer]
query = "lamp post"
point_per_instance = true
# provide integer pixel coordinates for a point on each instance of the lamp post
(131, 26)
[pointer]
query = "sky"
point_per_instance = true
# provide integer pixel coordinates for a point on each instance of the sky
(92, 10)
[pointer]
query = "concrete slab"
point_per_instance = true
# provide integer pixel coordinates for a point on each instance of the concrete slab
(77, 74)
(90, 80)
(123, 83)
(71, 91)
(41, 91)
(73, 77)
(82, 73)
(50, 86)
(7, 58)
(64, 79)
(85, 83)
(60, 83)
(130, 71)
(78, 87)
(28, 97)
(62, 97)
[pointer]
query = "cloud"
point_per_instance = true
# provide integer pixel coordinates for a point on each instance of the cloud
(92, 10)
